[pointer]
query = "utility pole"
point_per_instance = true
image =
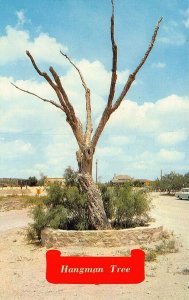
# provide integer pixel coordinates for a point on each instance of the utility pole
(96, 171)
(161, 175)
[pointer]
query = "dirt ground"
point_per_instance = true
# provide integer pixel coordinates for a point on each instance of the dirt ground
(22, 266)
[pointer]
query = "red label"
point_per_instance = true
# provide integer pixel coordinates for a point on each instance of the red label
(95, 270)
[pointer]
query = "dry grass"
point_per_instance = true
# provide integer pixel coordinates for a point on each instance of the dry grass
(185, 271)
(166, 246)
(19, 202)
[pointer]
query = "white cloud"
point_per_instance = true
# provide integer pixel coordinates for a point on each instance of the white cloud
(121, 140)
(172, 137)
(171, 156)
(21, 112)
(177, 39)
(159, 65)
(21, 17)
(97, 77)
(109, 151)
(122, 77)
(170, 112)
(44, 48)
(165, 121)
(186, 21)
(172, 36)
(13, 149)
(16, 103)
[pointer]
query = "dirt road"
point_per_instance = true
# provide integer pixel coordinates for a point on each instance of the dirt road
(14, 219)
(173, 214)
(22, 266)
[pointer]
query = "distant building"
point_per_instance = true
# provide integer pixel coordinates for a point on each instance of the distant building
(122, 179)
(52, 180)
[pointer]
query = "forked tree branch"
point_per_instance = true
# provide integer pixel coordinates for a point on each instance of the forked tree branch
(108, 110)
(72, 119)
(43, 99)
(133, 75)
(88, 101)
(48, 79)
(79, 72)
(114, 61)
(65, 104)
(69, 107)
(43, 74)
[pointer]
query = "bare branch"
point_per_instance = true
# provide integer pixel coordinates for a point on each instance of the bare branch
(133, 75)
(88, 101)
(73, 120)
(69, 107)
(43, 99)
(149, 48)
(65, 104)
(108, 110)
(105, 117)
(89, 125)
(114, 61)
(48, 79)
(79, 72)
(77, 130)
(43, 74)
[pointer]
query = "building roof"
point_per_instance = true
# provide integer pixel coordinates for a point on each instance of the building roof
(54, 180)
(121, 178)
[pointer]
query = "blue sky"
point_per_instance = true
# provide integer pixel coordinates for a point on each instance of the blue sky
(149, 132)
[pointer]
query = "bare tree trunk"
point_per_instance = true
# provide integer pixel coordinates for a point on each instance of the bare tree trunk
(97, 215)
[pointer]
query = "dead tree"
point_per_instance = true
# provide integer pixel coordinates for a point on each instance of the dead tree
(86, 141)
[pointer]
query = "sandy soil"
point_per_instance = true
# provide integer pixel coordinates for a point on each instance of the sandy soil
(22, 266)
(14, 219)
(16, 191)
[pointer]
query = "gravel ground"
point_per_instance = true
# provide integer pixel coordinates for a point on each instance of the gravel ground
(22, 266)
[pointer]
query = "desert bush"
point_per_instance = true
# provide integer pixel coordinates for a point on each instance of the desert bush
(107, 198)
(185, 271)
(40, 222)
(171, 182)
(63, 208)
(32, 181)
(71, 177)
(127, 207)
(151, 255)
(166, 245)
(66, 208)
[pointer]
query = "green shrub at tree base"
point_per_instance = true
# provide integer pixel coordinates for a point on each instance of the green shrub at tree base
(70, 177)
(124, 206)
(66, 208)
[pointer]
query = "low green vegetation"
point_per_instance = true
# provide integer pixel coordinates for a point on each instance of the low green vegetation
(124, 206)
(167, 245)
(66, 208)
(172, 182)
